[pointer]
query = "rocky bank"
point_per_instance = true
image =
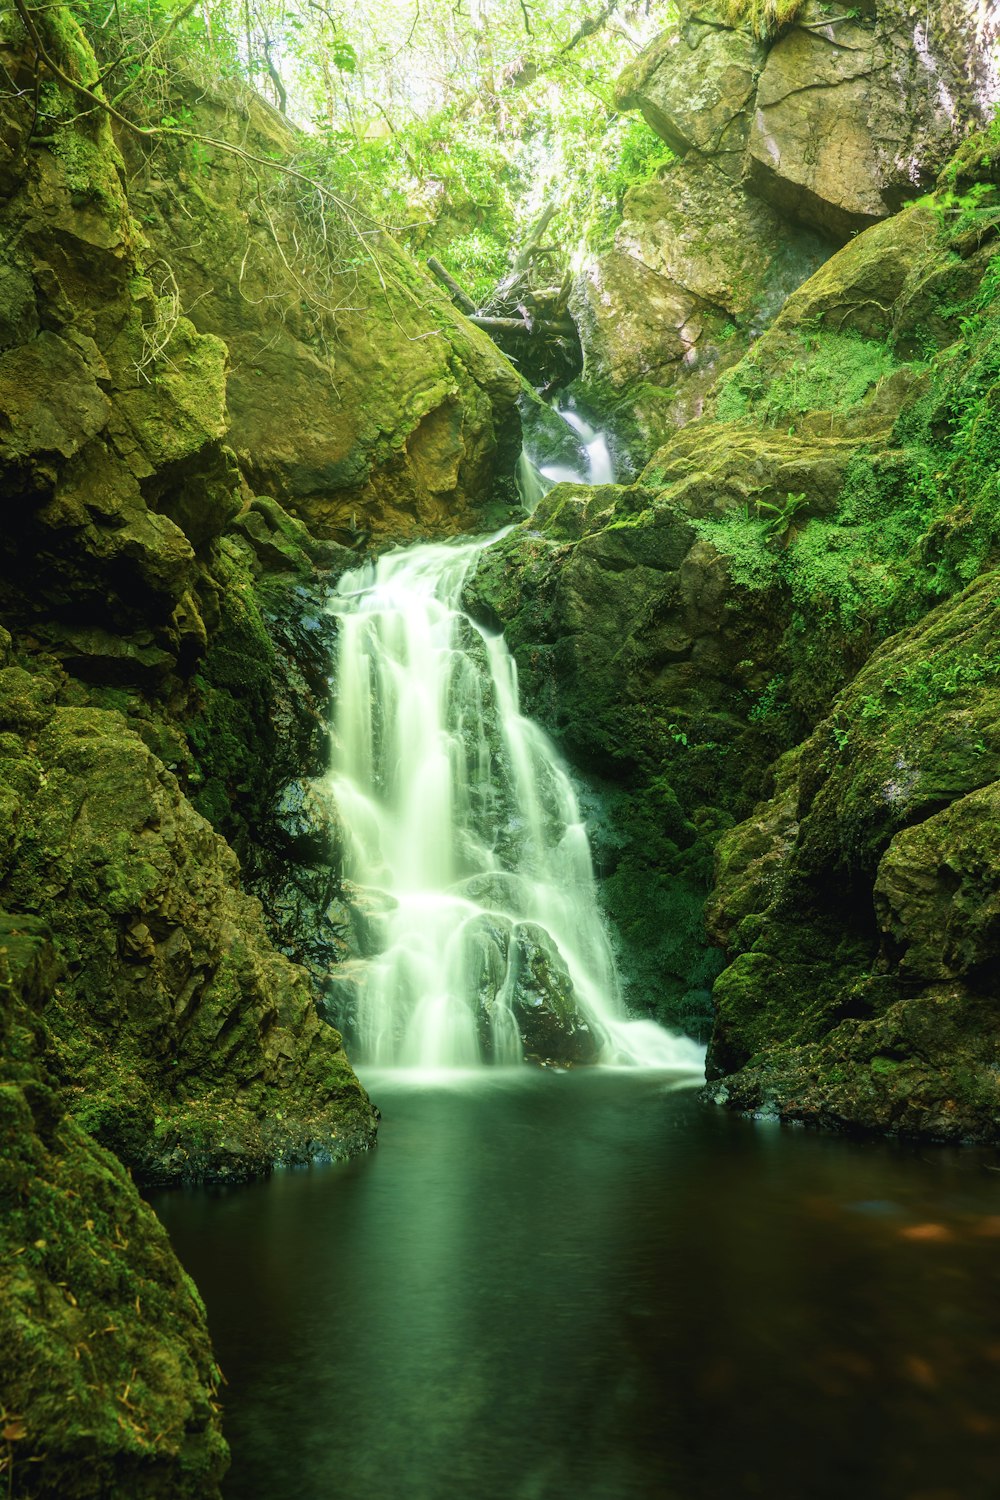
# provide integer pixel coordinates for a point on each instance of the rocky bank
(772, 654)
(163, 685)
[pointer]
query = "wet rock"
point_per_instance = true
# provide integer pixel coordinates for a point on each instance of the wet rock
(551, 1027)
(87, 1268)
(523, 981)
(305, 817)
(695, 87)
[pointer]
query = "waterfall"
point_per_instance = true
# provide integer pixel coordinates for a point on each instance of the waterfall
(465, 853)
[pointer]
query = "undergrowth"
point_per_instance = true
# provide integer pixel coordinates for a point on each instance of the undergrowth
(835, 372)
(914, 523)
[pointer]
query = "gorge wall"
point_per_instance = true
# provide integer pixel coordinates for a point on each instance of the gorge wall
(163, 685)
(786, 145)
(773, 651)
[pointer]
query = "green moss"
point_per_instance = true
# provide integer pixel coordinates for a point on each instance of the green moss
(108, 1382)
(763, 17)
(809, 372)
(229, 729)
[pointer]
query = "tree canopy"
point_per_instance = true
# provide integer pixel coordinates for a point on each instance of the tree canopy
(451, 122)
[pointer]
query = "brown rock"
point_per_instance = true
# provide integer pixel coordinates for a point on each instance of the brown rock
(811, 152)
(695, 87)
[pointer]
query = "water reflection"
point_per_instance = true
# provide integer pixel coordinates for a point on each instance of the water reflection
(591, 1286)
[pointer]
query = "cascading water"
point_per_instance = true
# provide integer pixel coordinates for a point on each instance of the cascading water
(465, 850)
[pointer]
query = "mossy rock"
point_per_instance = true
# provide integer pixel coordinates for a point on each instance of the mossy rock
(109, 1386)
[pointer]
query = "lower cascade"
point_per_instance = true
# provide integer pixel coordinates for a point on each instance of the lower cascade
(468, 861)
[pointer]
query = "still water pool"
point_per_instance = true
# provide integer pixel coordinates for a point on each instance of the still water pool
(590, 1286)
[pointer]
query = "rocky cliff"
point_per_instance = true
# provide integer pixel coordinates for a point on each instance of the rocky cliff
(776, 646)
(787, 144)
(163, 677)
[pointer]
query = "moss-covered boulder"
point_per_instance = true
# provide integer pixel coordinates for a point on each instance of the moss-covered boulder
(188, 1044)
(108, 1386)
(113, 406)
(357, 395)
(936, 892)
(695, 264)
(858, 908)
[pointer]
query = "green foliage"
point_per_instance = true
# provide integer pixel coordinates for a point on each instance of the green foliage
(450, 128)
(763, 17)
(627, 155)
(911, 526)
(928, 684)
(835, 372)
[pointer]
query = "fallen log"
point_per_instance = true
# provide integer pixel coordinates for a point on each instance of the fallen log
(519, 325)
(459, 294)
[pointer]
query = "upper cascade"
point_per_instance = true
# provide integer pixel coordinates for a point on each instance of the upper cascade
(464, 843)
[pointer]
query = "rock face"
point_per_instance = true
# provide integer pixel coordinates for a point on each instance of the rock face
(660, 314)
(894, 797)
(188, 1045)
(357, 396)
(109, 1384)
(772, 653)
(163, 675)
(788, 147)
(116, 412)
(695, 86)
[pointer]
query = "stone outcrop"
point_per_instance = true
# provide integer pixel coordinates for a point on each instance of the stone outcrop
(837, 120)
(660, 314)
(893, 801)
(120, 487)
(357, 396)
(109, 1382)
(787, 147)
(772, 652)
(162, 683)
(184, 1042)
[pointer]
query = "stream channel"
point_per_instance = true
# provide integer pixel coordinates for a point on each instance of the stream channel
(551, 1283)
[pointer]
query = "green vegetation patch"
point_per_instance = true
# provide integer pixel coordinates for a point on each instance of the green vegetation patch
(763, 17)
(816, 371)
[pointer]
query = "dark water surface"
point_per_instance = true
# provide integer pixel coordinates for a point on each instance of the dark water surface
(592, 1287)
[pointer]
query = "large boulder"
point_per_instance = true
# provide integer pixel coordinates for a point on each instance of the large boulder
(109, 1385)
(878, 853)
(695, 261)
(188, 1045)
(357, 395)
(790, 144)
(695, 87)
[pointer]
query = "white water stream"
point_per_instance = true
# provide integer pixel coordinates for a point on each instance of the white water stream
(465, 848)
